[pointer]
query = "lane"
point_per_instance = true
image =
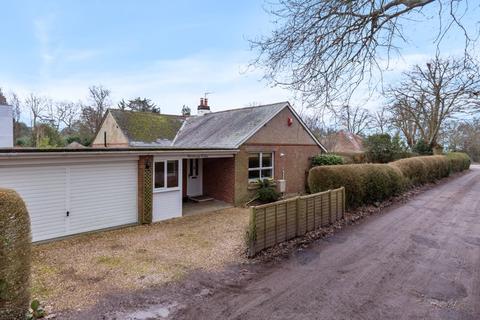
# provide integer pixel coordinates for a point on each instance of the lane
(420, 260)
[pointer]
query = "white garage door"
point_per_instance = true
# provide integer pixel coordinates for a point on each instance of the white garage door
(69, 199)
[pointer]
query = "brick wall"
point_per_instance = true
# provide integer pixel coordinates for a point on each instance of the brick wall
(219, 178)
(295, 164)
(285, 134)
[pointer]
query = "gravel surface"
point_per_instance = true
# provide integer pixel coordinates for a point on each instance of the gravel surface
(75, 273)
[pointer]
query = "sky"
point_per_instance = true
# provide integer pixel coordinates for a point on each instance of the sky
(171, 52)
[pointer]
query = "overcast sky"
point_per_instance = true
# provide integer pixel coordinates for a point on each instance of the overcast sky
(169, 51)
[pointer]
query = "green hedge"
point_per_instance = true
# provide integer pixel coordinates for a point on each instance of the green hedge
(364, 183)
(368, 183)
(326, 160)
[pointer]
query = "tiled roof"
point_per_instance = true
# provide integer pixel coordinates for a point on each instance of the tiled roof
(225, 129)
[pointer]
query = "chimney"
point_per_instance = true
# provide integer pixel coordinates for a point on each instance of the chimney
(203, 108)
(6, 123)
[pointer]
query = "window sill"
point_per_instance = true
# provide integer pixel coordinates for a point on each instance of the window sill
(254, 185)
(165, 190)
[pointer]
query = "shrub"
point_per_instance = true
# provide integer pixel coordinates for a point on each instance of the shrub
(458, 161)
(326, 160)
(422, 148)
(364, 183)
(15, 250)
(381, 148)
(267, 193)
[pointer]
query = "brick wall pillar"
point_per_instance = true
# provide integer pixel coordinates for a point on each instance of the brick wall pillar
(145, 189)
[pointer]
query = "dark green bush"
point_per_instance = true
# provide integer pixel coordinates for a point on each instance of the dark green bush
(15, 255)
(267, 193)
(381, 148)
(326, 160)
(458, 161)
(364, 183)
(422, 148)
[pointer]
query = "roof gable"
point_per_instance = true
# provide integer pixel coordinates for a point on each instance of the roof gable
(147, 128)
(231, 128)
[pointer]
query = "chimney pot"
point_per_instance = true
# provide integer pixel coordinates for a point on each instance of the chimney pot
(203, 108)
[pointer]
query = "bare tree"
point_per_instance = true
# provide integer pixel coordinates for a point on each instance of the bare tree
(463, 136)
(325, 49)
(354, 119)
(403, 121)
(381, 120)
(432, 94)
(92, 115)
(16, 103)
(37, 107)
(62, 114)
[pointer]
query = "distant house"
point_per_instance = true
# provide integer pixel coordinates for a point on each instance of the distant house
(343, 142)
(143, 165)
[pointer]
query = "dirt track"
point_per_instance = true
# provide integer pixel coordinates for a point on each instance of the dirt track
(419, 260)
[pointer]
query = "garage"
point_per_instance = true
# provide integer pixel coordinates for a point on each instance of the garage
(70, 196)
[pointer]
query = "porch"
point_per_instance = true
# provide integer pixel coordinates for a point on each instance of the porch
(191, 185)
(208, 184)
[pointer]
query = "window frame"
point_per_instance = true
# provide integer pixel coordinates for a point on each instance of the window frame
(165, 188)
(261, 167)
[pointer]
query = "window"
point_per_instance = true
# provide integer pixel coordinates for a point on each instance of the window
(166, 174)
(260, 166)
(159, 174)
(172, 173)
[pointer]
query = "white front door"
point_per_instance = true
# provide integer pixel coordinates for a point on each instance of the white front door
(194, 177)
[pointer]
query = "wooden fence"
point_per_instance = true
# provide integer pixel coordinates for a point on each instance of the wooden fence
(280, 221)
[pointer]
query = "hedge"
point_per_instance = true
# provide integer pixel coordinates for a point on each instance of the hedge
(458, 161)
(369, 183)
(326, 160)
(364, 183)
(15, 255)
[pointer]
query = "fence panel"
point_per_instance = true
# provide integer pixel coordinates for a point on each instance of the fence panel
(283, 220)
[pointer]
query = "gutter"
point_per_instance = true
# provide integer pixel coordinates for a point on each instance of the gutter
(73, 153)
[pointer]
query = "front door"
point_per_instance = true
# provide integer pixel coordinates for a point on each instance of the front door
(194, 177)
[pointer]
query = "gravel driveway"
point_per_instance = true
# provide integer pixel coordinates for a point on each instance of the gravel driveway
(75, 273)
(420, 260)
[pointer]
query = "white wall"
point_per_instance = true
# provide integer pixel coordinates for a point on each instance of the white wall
(167, 203)
(6, 126)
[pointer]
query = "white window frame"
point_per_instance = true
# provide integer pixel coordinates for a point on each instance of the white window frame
(165, 178)
(261, 167)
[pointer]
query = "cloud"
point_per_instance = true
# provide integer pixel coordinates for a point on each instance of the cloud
(169, 83)
(42, 27)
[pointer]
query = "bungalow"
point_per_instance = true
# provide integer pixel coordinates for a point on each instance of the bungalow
(144, 165)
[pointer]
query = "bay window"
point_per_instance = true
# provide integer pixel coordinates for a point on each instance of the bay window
(260, 166)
